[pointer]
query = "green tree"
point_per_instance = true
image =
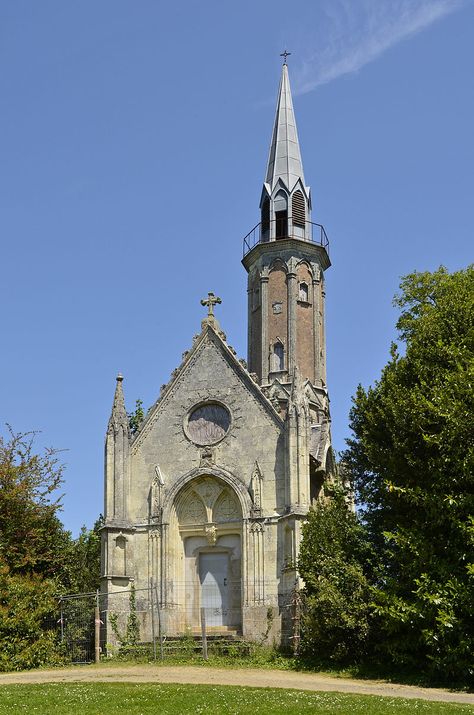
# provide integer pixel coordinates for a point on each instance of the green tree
(28, 621)
(84, 576)
(35, 553)
(136, 418)
(335, 560)
(412, 461)
(32, 538)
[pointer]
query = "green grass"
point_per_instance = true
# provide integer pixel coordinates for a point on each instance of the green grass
(255, 657)
(168, 699)
(265, 657)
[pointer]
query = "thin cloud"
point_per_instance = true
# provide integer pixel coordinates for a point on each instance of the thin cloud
(359, 32)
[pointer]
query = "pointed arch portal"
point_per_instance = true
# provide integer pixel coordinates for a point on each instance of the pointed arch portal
(205, 541)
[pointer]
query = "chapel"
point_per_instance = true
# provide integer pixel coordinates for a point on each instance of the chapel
(204, 502)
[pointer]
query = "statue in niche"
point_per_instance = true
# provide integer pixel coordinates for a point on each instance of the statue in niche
(303, 292)
(277, 357)
(156, 493)
(207, 457)
(256, 489)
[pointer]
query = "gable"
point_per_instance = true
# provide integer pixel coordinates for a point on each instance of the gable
(209, 372)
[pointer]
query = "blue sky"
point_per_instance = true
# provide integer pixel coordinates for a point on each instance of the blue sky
(133, 144)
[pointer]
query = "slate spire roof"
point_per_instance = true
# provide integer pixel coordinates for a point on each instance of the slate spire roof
(284, 161)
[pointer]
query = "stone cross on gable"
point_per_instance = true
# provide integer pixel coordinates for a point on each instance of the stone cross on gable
(210, 301)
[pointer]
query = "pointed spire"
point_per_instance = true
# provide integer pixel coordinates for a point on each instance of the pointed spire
(119, 413)
(284, 161)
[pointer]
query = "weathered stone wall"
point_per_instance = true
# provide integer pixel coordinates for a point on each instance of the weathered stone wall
(254, 435)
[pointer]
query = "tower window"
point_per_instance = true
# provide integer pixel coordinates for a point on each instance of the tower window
(281, 215)
(298, 209)
(281, 224)
(256, 297)
(303, 292)
(265, 216)
(277, 358)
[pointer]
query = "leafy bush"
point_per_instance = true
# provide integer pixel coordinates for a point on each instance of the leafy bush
(334, 560)
(28, 622)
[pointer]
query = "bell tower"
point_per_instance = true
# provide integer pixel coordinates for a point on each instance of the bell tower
(285, 256)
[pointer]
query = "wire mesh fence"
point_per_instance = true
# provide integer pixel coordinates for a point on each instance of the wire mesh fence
(191, 619)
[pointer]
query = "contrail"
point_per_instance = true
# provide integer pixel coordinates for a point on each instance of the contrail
(359, 32)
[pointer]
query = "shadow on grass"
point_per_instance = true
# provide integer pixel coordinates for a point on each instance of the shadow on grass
(378, 671)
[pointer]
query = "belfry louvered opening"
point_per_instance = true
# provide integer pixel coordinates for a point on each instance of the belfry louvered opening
(298, 209)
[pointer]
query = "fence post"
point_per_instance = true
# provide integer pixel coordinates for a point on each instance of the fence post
(203, 633)
(62, 619)
(97, 628)
(160, 627)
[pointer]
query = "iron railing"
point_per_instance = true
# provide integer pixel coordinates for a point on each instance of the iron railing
(160, 625)
(283, 229)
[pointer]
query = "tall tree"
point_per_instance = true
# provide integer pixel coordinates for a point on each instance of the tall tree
(412, 460)
(335, 561)
(32, 538)
(35, 552)
(85, 565)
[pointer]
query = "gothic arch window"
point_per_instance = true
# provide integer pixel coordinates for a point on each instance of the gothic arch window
(298, 209)
(303, 292)
(277, 358)
(281, 215)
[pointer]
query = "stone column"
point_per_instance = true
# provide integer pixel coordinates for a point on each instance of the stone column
(323, 334)
(249, 320)
(291, 283)
(258, 558)
(118, 475)
(264, 318)
(109, 497)
(316, 328)
(303, 460)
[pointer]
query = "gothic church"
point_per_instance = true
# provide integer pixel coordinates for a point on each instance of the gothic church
(204, 503)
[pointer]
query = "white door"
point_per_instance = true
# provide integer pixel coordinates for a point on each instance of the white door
(214, 589)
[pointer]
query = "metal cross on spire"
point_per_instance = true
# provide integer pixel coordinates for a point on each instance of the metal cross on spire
(285, 54)
(210, 301)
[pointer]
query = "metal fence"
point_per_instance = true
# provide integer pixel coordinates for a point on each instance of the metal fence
(284, 229)
(134, 621)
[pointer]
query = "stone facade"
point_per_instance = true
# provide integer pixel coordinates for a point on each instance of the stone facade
(204, 503)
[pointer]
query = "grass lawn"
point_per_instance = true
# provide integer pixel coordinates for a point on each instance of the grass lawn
(146, 699)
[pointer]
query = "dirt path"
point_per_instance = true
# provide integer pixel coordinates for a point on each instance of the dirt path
(224, 676)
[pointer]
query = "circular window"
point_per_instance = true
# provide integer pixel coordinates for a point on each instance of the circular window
(207, 424)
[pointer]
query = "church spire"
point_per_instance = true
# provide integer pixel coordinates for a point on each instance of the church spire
(286, 255)
(284, 161)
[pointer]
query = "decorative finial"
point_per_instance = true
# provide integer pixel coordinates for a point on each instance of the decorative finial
(285, 54)
(210, 301)
(119, 377)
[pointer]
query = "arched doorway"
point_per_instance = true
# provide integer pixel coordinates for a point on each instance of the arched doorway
(205, 554)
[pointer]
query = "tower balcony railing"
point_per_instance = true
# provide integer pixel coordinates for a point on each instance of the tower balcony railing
(281, 229)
